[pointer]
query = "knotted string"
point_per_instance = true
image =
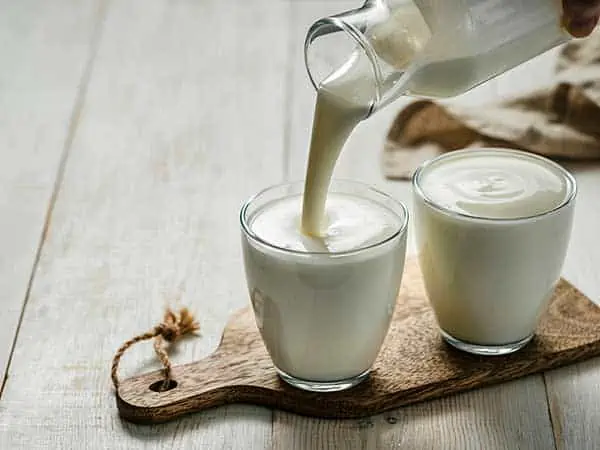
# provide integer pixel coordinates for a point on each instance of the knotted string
(173, 327)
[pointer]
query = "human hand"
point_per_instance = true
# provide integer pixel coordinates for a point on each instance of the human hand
(580, 17)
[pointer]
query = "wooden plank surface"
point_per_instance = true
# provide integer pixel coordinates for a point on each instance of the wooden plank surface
(35, 121)
(462, 422)
(189, 109)
(183, 120)
(573, 392)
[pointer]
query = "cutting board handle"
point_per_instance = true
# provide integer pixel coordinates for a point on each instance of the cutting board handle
(219, 379)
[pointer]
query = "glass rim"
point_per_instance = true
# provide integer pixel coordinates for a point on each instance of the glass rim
(359, 39)
(570, 179)
(401, 230)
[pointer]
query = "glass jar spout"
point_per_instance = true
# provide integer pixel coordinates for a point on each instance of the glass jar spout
(374, 44)
(428, 48)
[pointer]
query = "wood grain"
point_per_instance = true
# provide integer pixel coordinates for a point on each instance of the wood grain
(574, 391)
(35, 120)
(413, 365)
(182, 121)
(87, 284)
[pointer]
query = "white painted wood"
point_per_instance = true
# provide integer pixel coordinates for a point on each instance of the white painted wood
(574, 397)
(494, 418)
(295, 432)
(43, 55)
(510, 416)
(187, 113)
(183, 120)
(573, 392)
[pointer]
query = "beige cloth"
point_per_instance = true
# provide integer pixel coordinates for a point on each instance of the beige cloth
(561, 121)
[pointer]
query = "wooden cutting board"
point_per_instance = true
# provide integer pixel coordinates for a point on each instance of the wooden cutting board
(414, 364)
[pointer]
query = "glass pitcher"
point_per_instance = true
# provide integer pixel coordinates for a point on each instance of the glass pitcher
(429, 48)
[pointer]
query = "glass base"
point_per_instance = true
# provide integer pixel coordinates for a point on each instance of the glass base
(486, 350)
(323, 386)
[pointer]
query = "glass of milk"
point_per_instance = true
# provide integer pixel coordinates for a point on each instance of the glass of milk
(324, 305)
(492, 229)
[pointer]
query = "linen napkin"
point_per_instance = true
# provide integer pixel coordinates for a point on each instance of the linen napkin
(560, 121)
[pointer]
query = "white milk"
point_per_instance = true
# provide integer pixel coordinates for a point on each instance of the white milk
(495, 186)
(480, 39)
(323, 316)
(345, 98)
(492, 228)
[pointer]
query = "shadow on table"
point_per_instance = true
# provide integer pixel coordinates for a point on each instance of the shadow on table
(577, 167)
(492, 417)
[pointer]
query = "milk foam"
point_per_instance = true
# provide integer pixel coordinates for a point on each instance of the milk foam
(343, 100)
(351, 223)
(494, 185)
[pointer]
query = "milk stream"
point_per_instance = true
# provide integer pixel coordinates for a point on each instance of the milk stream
(458, 57)
(343, 100)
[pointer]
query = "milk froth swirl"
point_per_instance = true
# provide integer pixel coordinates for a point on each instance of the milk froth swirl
(494, 186)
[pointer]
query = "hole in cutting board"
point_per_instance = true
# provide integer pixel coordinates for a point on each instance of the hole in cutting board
(159, 386)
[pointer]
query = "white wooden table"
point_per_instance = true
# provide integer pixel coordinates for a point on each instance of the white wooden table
(130, 133)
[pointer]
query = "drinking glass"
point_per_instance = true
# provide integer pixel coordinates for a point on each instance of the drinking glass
(323, 316)
(489, 280)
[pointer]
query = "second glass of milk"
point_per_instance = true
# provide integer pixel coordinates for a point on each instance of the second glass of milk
(323, 305)
(492, 228)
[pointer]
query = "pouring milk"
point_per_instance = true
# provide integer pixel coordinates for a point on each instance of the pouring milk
(418, 47)
(344, 99)
(324, 261)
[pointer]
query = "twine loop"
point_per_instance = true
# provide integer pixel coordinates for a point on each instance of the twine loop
(171, 329)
